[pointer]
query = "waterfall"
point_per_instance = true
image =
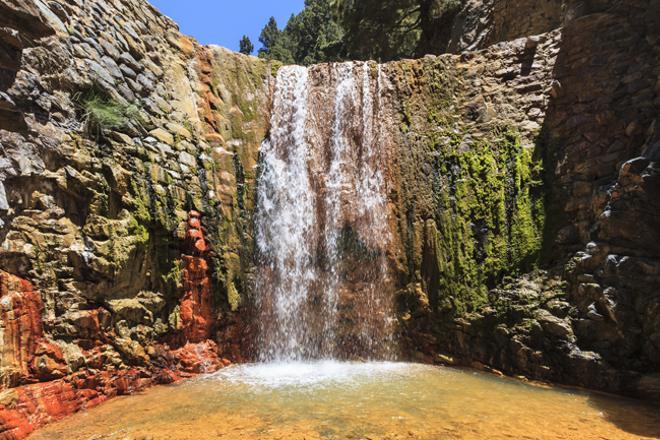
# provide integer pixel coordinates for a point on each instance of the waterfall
(322, 289)
(284, 228)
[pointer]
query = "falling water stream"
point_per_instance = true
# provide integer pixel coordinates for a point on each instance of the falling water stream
(285, 226)
(321, 212)
(325, 342)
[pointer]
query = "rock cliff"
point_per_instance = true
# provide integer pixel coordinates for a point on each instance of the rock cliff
(522, 188)
(113, 127)
(526, 201)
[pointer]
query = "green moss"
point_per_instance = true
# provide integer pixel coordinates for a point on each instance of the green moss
(138, 231)
(233, 297)
(239, 83)
(140, 203)
(102, 198)
(188, 125)
(489, 218)
(173, 280)
(275, 67)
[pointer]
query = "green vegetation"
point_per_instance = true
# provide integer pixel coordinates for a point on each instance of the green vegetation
(140, 203)
(173, 280)
(308, 38)
(383, 30)
(102, 113)
(489, 217)
(392, 29)
(246, 46)
(138, 231)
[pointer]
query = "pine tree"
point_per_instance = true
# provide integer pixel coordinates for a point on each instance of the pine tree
(246, 46)
(383, 30)
(393, 29)
(269, 36)
(308, 37)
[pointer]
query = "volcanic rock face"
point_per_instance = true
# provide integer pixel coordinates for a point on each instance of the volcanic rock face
(579, 206)
(197, 301)
(112, 127)
(26, 355)
(519, 182)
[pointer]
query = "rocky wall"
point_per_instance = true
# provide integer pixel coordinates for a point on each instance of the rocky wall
(521, 180)
(113, 126)
(479, 24)
(526, 202)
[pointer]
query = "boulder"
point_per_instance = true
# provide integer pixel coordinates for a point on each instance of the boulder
(555, 326)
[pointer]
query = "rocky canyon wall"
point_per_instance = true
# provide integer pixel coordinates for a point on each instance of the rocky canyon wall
(520, 180)
(114, 130)
(477, 24)
(527, 201)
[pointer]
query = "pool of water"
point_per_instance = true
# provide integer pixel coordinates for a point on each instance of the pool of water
(333, 400)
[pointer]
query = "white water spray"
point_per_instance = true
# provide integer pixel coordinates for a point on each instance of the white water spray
(321, 228)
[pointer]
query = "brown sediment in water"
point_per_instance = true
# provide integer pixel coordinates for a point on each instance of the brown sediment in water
(377, 401)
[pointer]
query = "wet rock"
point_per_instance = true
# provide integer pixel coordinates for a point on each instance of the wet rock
(4, 204)
(592, 313)
(196, 305)
(20, 309)
(648, 386)
(132, 310)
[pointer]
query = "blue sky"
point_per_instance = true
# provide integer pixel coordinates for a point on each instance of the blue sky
(224, 22)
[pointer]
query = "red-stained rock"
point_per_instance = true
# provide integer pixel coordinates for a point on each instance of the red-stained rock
(23, 347)
(28, 356)
(194, 223)
(199, 358)
(26, 408)
(48, 362)
(20, 324)
(196, 305)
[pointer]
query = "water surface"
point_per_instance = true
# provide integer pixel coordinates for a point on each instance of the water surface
(333, 400)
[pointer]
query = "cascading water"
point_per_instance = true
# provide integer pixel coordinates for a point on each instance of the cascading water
(285, 225)
(322, 288)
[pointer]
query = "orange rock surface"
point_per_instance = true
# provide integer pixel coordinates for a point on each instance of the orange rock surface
(26, 354)
(197, 301)
(28, 358)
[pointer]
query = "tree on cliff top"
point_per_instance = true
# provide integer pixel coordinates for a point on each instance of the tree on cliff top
(383, 30)
(307, 37)
(246, 46)
(275, 44)
(391, 29)
(270, 34)
(314, 31)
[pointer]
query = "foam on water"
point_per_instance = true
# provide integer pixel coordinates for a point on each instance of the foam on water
(313, 374)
